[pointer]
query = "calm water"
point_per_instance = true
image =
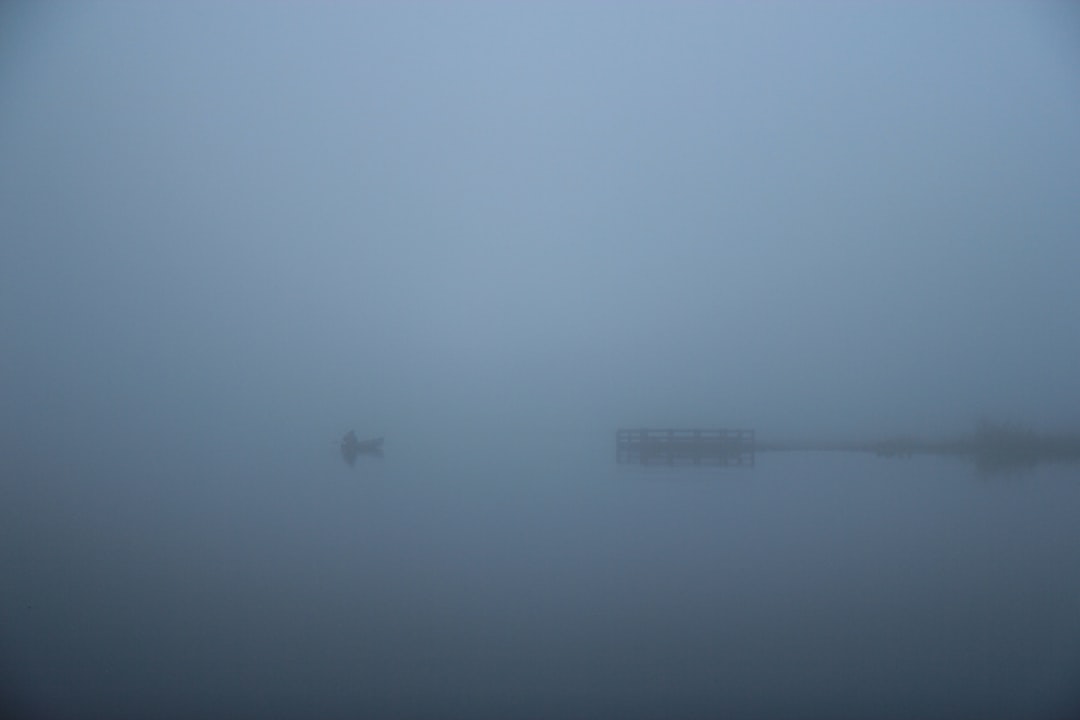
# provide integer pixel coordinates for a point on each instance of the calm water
(434, 583)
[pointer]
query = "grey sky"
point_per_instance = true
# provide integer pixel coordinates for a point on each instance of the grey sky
(833, 217)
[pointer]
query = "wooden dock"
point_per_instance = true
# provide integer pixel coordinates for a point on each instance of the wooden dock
(647, 446)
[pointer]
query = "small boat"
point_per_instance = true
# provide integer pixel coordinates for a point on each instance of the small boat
(372, 445)
(351, 447)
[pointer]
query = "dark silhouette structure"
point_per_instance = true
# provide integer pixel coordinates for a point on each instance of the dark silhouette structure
(685, 447)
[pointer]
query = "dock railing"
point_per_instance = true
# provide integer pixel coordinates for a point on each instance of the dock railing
(670, 446)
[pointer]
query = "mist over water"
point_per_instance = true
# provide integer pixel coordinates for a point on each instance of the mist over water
(842, 585)
(493, 235)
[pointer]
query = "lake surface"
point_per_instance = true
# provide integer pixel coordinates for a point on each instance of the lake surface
(537, 583)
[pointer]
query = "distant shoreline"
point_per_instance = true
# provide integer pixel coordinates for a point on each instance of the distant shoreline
(992, 444)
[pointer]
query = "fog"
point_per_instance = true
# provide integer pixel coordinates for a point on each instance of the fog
(492, 234)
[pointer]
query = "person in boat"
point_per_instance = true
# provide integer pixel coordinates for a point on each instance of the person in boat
(350, 447)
